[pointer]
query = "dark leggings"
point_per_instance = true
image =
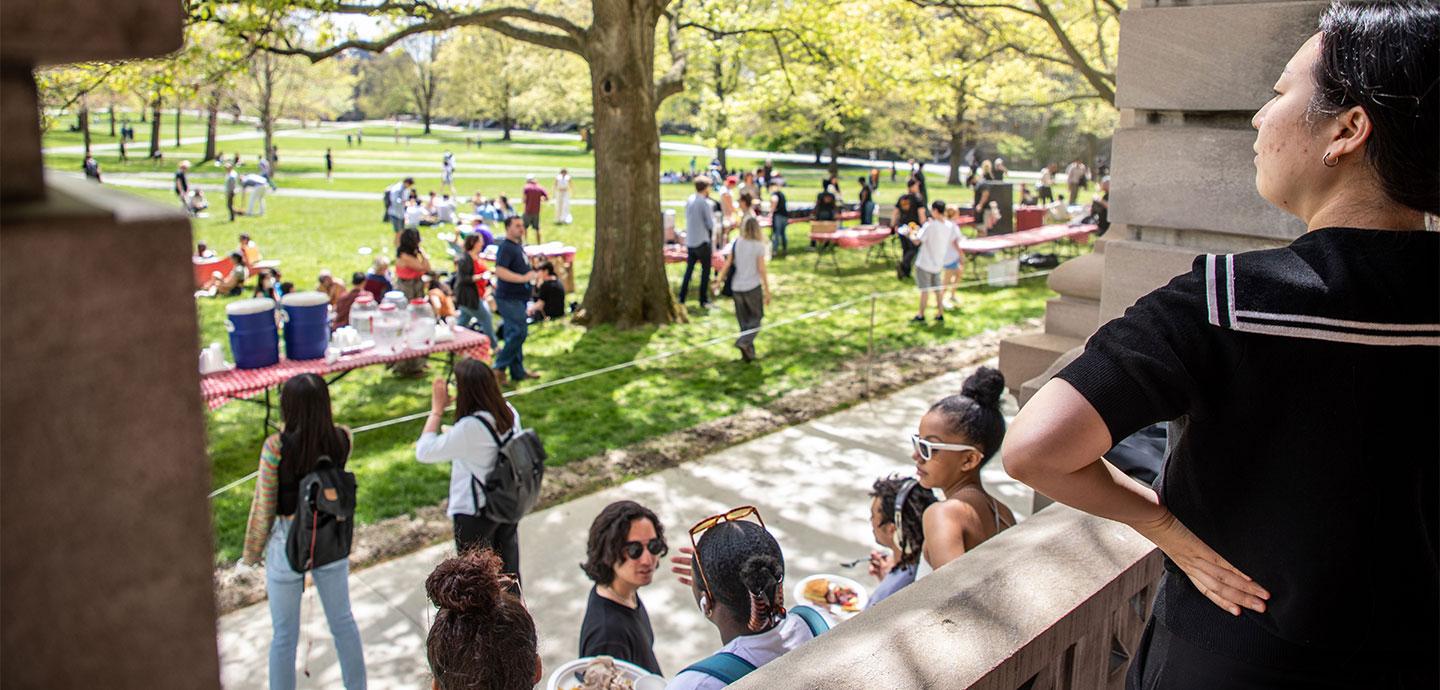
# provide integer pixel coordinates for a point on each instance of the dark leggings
(1166, 661)
(473, 531)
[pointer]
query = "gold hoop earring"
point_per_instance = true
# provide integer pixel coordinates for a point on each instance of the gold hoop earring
(1325, 160)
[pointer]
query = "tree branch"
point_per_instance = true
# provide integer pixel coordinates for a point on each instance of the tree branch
(1040, 104)
(673, 81)
(1103, 84)
(572, 40)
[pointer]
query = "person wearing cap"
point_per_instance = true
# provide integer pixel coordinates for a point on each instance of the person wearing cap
(534, 194)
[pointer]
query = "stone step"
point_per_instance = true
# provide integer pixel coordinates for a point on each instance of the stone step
(1073, 317)
(1028, 355)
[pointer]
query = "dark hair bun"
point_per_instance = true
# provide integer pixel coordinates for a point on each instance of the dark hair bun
(985, 387)
(760, 573)
(467, 584)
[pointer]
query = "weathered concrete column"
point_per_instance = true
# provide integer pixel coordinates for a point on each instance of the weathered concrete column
(105, 540)
(1190, 76)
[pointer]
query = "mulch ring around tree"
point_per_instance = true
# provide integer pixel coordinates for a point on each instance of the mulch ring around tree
(393, 537)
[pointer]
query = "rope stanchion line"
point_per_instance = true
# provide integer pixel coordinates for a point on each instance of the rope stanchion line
(701, 345)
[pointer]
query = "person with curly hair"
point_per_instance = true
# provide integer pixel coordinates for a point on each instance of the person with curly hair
(897, 514)
(483, 638)
(626, 544)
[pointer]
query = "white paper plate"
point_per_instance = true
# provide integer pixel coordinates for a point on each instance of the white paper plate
(563, 678)
(862, 595)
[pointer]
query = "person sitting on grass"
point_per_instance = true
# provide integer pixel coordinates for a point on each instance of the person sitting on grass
(377, 281)
(897, 519)
(478, 227)
(347, 300)
(736, 573)
(482, 637)
(202, 251)
(625, 548)
(955, 439)
(249, 251)
(416, 216)
(932, 241)
(437, 293)
(229, 284)
(549, 300)
(445, 210)
(332, 288)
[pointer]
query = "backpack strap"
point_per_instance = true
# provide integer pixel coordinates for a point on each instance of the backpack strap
(813, 619)
(722, 666)
(477, 484)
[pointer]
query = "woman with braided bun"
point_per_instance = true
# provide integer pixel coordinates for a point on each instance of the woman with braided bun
(483, 638)
(739, 581)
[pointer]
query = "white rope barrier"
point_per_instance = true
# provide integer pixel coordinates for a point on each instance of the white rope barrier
(709, 342)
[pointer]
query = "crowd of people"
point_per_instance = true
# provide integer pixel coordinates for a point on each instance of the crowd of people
(484, 637)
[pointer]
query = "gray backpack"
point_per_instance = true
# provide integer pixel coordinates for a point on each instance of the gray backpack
(513, 487)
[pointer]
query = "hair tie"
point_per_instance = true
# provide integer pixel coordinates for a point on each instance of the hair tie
(759, 612)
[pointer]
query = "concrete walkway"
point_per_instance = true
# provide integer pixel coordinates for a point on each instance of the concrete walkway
(809, 481)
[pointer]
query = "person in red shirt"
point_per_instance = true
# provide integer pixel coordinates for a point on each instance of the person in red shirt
(534, 194)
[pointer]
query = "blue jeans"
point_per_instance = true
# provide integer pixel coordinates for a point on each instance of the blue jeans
(284, 587)
(777, 234)
(479, 319)
(867, 213)
(514, 329)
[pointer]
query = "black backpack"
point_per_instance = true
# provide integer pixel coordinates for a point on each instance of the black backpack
(324, 524)
(513, 487)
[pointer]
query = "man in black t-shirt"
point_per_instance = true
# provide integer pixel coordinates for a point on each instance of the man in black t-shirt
(909, 210)
(625, 548)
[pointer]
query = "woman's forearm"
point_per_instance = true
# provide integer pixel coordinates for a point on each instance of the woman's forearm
(1055, 445)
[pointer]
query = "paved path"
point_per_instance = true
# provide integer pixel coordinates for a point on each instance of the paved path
(810, 482)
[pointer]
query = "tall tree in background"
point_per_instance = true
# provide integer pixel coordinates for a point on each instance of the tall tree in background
(627, 284)
(424, 52)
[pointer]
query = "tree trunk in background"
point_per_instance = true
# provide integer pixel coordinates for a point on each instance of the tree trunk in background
(835, 142)
(627, 285)
(155, 128)
(267, 97)
(212, 119)
(85, 125)
(721, 120)
(505, 122)
(112, 120)
(958, 127)
(818, 151)
(178, 119)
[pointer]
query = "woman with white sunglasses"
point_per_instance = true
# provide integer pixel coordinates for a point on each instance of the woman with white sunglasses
(957, 436)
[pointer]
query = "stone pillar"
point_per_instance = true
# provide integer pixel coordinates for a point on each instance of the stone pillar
(1190, 76)
(105, 539)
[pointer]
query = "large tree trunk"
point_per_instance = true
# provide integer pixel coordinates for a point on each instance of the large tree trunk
(212, 119)
(627, 286)
(155, 128)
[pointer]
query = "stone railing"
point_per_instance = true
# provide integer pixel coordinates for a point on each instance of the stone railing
(1058, 601)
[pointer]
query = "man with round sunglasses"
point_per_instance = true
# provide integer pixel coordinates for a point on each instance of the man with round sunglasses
(625, 548)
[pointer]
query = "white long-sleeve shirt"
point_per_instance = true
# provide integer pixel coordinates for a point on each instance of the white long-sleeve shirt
(471, 452)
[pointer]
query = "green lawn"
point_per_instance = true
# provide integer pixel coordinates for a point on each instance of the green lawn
(578, 419)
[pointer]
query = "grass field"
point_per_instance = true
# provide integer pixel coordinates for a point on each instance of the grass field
(578, 419)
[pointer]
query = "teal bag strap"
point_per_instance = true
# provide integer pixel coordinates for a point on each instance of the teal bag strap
(723, 666)
(812, 618)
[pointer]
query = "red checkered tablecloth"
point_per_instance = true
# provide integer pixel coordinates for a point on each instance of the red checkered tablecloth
(218, 389)
(1026, 238)
(854, 238)
(676, 254)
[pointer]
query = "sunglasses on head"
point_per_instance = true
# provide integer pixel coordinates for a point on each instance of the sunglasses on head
(733, 515)
(634, 549)
(925, 449)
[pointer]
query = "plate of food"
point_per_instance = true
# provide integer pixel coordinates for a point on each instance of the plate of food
(603, 673)
(837, 594)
